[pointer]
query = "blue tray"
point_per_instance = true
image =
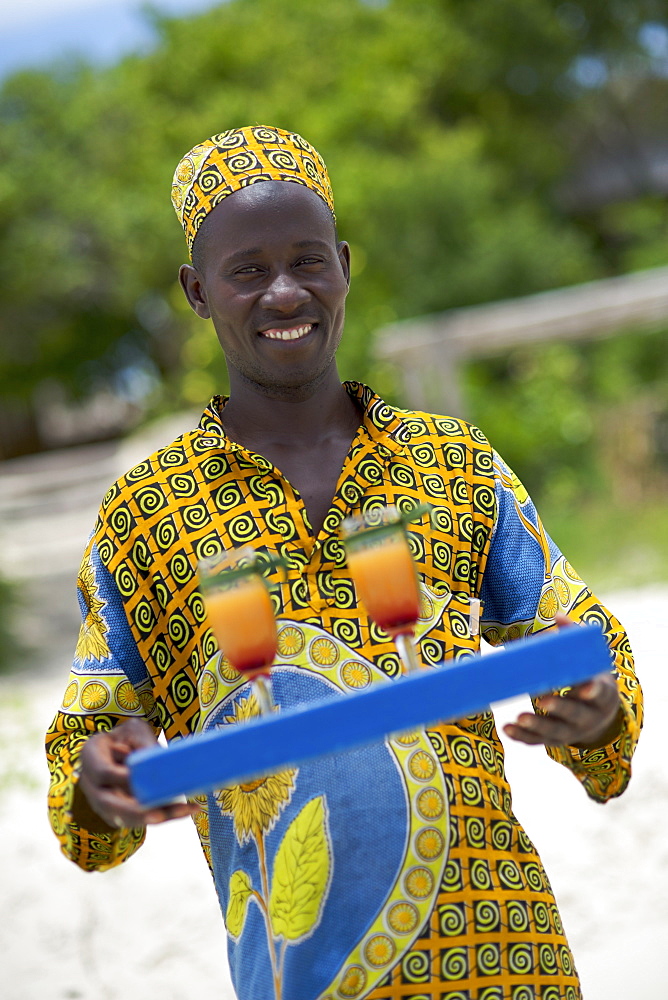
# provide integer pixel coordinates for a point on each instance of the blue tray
(198, 764)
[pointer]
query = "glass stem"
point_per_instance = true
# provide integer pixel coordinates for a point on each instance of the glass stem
(262, 691)
(405, 644)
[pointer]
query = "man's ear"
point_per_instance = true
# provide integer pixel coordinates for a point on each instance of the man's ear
(343, 251)
(194, 291)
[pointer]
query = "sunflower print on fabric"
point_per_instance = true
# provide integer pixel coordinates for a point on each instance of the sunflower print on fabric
(92, 643)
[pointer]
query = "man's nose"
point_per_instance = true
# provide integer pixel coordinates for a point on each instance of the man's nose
(284, 293)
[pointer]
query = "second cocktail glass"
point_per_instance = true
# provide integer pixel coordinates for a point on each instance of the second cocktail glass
(241, 616)
(384, 574)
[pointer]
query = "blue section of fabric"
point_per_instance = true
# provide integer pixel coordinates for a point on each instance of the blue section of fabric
(516, 572)
(125, 656)
(367, 814)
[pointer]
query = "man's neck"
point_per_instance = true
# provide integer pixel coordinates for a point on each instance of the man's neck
(260, 419)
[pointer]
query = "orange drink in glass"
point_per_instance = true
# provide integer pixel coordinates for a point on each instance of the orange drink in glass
(386, 582)
(384, 574)
(241, 616)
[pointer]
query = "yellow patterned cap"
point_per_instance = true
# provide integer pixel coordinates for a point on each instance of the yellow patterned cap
(232, 160)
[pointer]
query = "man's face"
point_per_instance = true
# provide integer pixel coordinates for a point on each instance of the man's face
(274, 282)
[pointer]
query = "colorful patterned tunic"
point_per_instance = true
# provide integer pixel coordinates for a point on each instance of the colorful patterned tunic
(397, 872)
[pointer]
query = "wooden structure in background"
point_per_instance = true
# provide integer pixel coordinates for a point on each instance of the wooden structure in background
(430, 350)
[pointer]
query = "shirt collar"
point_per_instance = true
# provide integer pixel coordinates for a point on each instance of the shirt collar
(383, 424)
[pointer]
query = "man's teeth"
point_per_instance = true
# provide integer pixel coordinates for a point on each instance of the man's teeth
(294, 334)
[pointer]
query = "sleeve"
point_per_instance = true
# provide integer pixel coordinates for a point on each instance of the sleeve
(526, 582)
(108, 683)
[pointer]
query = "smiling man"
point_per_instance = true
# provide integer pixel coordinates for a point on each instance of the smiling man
(397, 872)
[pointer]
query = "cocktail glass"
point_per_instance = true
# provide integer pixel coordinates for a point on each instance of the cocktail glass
(241, 616)
(384, 573)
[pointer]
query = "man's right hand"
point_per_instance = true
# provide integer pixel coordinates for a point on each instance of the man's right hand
(103, 799)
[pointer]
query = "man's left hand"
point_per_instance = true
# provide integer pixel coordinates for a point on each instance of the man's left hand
(589, 715)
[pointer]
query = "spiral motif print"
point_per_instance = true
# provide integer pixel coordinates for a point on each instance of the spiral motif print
(415, 967)
(517, 916)
(196, 607)
(475, 832)
(161, 655)
(487, 916)
(488, 959)
(141, 471)
(213, 468)
(121, 522)
(486, 751)
(502, 834)
(400, 475)
(547, 959)
(183, 484)
(523, 993)
(150, 500)
(466, 527)
(491, 993)
(110, 496)
(144, 618)
(165, 533)
(207, 547)
(179, 629)
(172, 456)
(141, 556)
(180, 568)
(541, 917)
(452, 919)
(347, 630)
(509, 875)
(454, 964)
(480, 875)
(228, 498)
(125, 580)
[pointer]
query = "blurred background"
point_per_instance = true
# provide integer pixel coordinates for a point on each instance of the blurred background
(501, 173)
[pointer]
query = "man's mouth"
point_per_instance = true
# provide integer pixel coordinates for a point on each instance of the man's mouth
(293, 333)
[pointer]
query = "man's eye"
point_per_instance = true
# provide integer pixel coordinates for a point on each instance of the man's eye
(310, 260)
(247, 269)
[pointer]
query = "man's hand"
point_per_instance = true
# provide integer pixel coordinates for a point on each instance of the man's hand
(587, 716)
(103, 798)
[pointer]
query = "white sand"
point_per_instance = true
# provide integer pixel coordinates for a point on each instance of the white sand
(151, 930)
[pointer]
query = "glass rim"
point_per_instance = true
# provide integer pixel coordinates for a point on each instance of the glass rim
(228, 560)
(368, 536)
(388, 518)
(227, 577)
(236, 563)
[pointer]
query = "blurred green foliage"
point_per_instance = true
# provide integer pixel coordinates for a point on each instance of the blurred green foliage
(548, 408)
(444, 124)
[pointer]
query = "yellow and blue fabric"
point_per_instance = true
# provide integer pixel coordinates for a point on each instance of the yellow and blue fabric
(397, 872)
(232, 160)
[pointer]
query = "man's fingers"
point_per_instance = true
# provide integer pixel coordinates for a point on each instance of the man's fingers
(600, 689)
(583, 716)
(569, 710)
(134, 734)
(563, 621)
(118, 810)
(121, 810)
(104, 782)
(130, 814)
(540, 729)
(175, 810)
